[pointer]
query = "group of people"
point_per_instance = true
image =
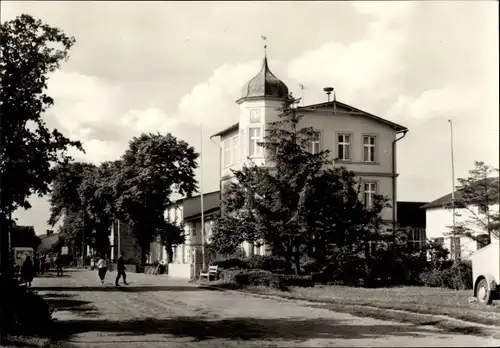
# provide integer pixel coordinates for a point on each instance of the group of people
(47, 262)
(31, 268)
(102, 269)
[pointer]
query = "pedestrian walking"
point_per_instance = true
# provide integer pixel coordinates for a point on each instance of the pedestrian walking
(120, 269)
(28, 271)
(58, 264)
(102, 268)
(47, 262)
(42, 263)
(36, 264)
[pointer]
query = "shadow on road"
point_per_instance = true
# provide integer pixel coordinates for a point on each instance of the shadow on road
(51, 275)
(239, 328)
(111, 288)
(65, 302)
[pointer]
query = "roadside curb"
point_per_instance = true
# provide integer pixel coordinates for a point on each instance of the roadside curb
(488, 329)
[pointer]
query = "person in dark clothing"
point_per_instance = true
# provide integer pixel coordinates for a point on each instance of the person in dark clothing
(58, 264)
(120, 269)
(42, 263)
(36, 264)
(28, 271)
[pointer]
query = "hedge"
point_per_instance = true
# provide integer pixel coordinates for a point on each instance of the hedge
(457, 276)
(259, 277)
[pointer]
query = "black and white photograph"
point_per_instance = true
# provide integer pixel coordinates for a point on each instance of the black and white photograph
(249, 174)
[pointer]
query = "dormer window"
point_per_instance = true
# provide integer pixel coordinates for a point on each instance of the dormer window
(254, 115)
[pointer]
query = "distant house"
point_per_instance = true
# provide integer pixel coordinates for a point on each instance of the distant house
(440, 219)
(50, 242)
(122, 239)
(187, 258)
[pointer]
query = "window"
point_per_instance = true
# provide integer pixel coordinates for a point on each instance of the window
(370, 190)
(344, 147)
(255, 116)
(368, 148)
(455, 248)
(227, 152)
(236, 141)
(242, 145)
(192, 226)
(416, 239)
(254, 138)
(314, 144)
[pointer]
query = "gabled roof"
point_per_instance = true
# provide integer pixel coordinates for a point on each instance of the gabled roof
(192, 206)
(48, 243)
(446, 199)
(345, 108)
(235, 126)
(353, 111)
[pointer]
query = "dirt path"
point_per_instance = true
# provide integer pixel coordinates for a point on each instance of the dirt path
(155, 311)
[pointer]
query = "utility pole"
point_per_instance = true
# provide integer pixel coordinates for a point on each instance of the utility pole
(453, 189)
(204, 263)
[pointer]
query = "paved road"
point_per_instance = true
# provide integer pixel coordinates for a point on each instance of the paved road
(156, 311)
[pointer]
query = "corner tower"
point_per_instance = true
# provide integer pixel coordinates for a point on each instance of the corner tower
(261, 97)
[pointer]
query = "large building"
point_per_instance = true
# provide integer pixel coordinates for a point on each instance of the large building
(362, 142)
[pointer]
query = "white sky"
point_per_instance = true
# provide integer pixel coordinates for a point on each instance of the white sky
(148, 66)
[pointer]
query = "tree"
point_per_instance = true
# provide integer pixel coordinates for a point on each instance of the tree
(297, 204)
(476, 205)
(66, 203)
(30, 50)
(65, 195)
(153, 167)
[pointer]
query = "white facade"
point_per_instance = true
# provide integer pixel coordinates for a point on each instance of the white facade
(368, 144)
(440, 221)
(187, 258)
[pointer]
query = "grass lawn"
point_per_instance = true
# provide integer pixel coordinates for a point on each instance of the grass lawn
(435, 301)
(372, 302)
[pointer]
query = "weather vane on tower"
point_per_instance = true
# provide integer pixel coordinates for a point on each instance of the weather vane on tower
(265, 46)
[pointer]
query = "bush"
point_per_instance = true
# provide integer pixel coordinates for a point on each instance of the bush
(231, 263)
(21, 310)
(259, 277)
(268, 263)
(457, 276)
(297, 280)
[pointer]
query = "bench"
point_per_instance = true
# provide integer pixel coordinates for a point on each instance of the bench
(212, 271)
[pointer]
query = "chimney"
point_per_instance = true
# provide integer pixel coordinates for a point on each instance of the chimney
(49, 232)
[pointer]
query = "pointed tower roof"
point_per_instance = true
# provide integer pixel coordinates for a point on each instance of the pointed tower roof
(264, 85)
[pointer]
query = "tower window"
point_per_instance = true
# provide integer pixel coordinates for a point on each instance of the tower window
(255, 137)
(254, 116)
